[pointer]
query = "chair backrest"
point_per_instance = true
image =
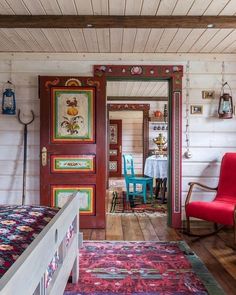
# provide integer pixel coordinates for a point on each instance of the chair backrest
(128, 166)
(227, 179)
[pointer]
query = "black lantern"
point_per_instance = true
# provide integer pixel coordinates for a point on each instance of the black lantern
(8, 99)
(225, 109)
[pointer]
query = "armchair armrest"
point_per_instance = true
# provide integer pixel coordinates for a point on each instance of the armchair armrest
(191, 184)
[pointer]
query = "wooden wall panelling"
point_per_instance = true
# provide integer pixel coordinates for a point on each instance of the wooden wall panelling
(132, 135)
(205, 73)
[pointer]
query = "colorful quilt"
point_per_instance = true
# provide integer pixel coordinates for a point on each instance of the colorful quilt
(19, 225)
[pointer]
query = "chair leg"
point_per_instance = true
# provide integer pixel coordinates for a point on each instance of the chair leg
(188, 225)
(144, 188)
(164, 190)
(158, 186)
(234, 235)
(127, 195)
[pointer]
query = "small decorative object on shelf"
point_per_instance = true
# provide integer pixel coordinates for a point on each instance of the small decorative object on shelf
(158, 114)
(8, 99)
(161, 142)
(225, 109)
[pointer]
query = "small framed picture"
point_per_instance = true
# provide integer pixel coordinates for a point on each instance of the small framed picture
(208, 94)
(196, 109)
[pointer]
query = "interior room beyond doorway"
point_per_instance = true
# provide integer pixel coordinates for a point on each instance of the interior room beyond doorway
(136, 137)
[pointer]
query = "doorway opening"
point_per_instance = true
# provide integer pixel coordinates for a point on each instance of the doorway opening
(137, 121)
(172, 74)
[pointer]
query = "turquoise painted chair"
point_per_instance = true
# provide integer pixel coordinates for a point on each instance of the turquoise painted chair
(130, 178)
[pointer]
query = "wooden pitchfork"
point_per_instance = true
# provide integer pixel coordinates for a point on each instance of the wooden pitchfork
(25, 151)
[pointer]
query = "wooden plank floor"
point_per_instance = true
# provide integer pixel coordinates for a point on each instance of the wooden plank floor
(213, 251)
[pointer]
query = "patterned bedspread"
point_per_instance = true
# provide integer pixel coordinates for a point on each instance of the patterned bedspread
(19, 225)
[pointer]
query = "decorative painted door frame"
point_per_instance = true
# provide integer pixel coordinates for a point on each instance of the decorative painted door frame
(135, 107)
(73, 145)
(173, 74)
(115, 148)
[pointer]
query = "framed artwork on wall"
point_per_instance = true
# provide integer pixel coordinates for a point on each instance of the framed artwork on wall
(73, 116)
(196, 109)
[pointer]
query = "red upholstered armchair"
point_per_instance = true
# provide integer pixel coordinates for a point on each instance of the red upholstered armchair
(222, 209)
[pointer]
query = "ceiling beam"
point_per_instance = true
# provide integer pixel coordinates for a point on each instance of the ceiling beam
(115, 21)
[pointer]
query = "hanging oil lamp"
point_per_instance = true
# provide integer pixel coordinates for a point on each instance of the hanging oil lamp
(225, 109)
(8, 99)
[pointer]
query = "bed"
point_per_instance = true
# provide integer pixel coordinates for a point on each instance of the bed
(46, 264)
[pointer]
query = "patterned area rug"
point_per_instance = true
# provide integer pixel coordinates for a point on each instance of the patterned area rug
(142, 268)
(135, 205)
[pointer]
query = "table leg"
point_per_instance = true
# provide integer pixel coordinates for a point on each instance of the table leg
(164, 187)
(158, 187)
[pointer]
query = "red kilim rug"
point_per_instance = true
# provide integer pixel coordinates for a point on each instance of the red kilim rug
(168, 268)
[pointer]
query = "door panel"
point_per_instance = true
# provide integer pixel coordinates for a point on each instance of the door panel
(115, 148)
(73, 144)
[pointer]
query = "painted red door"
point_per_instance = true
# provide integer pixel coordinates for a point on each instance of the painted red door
(73, 145)
(115, 148)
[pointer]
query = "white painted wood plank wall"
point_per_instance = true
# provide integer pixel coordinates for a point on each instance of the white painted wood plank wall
(210, 136)
(132, 136)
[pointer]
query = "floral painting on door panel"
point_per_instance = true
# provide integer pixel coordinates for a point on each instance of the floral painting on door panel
(85, 193)
(73, 114)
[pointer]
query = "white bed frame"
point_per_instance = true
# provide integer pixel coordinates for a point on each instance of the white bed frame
(27, 275)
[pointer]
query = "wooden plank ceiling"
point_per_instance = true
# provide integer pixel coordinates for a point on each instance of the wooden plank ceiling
(117, 40)
(125, 89)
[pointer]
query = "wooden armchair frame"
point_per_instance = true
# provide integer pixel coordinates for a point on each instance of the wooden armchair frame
(216, 227)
